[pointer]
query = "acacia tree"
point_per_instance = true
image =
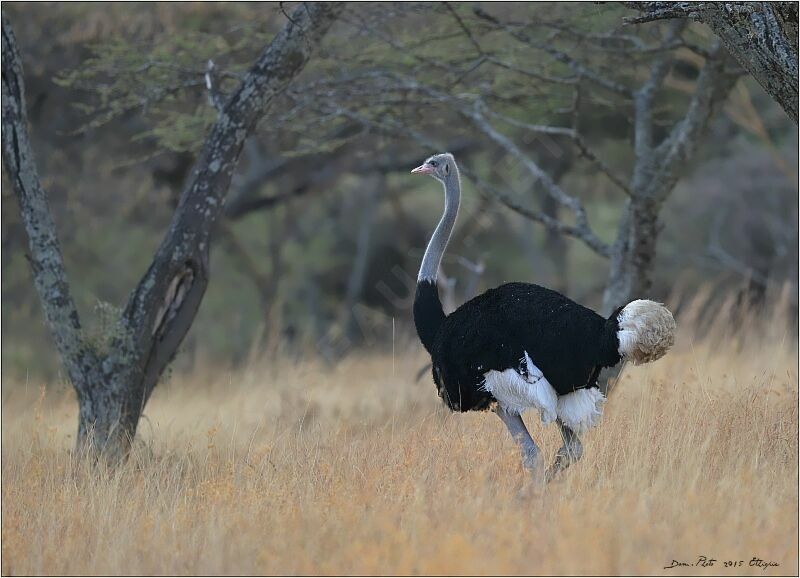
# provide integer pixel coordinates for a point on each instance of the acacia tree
(114, 383)
(762, 36)
(531, 84)
(485, 82)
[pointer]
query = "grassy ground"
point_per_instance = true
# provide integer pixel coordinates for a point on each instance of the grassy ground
(303, 469)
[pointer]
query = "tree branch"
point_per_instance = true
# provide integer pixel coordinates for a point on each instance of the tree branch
(653, 11)
(533, 73)
(712, 87)
(644, 97)
(570, 202)
(762, 36)
(47, 264)
(183, 253)
(573, 135)
(562, 57)
(249, 205)
(215, 98)
(580, 230)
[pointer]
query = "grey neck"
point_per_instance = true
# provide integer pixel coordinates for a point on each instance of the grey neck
(429, 269)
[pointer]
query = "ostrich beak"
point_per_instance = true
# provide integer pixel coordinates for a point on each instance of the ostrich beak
(422, 170)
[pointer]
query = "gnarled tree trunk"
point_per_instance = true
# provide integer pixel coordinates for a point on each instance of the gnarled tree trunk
(114, 386)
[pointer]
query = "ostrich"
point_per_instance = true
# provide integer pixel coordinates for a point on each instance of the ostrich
(522, 346)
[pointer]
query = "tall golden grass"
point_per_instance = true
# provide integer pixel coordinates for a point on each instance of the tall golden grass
(301, 468)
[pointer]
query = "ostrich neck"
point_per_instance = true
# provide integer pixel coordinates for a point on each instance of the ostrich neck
(429, 270)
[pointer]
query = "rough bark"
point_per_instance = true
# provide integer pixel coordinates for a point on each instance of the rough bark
(113, 388)
(47, 265)
(762, 36)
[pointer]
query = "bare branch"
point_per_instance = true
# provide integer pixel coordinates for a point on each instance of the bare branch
(538, 128)
(580, 230)
(572, 203)
(578, 68)
(533, 73)
(609, 42)
(400, 48)
(464, 28)
(653, 11)
(573, 135)
(247, 206)
(643, 99)
(215, 99)
(713, 85)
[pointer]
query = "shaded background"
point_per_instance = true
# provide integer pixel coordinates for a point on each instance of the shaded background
(325, 227)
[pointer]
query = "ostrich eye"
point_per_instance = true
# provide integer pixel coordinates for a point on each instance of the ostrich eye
(433, 163)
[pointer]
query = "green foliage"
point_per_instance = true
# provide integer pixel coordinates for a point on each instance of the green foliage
(184, 131)
(161, 79)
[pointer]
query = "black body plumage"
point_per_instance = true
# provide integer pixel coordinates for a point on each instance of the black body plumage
(568, 342)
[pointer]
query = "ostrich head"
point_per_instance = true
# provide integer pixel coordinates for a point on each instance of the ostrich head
(440, 166)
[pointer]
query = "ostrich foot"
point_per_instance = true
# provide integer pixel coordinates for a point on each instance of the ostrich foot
(535, 468)
(568, 454)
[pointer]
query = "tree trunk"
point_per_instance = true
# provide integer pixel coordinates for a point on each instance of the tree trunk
(618, 285)
(107, 418)
(114, 386)
(629, 275)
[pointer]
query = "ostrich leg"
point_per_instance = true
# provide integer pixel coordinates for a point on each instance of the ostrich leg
(570, 452)
(516, 427)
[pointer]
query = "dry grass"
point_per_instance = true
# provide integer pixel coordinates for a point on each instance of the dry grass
(302, 469)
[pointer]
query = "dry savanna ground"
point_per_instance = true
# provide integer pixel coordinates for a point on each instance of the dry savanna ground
(299, 468)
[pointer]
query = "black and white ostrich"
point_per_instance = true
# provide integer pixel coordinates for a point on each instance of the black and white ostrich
(522, 346)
